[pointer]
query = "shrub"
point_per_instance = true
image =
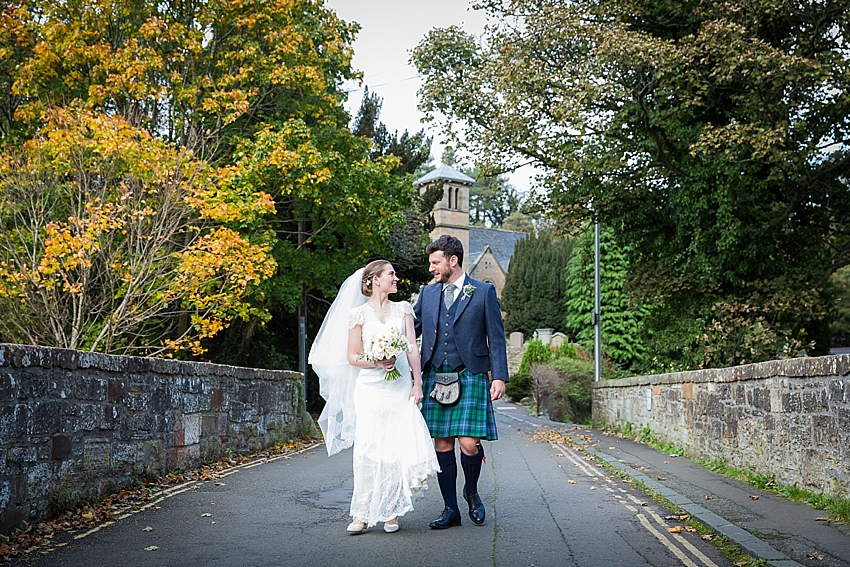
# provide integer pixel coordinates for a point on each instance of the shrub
(565, 350)
(564, 389)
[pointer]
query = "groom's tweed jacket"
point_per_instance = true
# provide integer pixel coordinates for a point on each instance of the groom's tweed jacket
(477, 328)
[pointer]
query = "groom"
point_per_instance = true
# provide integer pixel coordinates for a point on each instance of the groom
(461, 326)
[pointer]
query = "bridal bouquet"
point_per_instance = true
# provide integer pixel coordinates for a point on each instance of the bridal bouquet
(388, 345)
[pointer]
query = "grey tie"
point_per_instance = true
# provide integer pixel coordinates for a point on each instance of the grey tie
(450, 295)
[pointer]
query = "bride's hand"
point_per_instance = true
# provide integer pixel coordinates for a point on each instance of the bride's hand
(387, 363)
(416, 394)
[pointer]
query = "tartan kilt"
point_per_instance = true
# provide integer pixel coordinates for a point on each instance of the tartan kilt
(471, 416)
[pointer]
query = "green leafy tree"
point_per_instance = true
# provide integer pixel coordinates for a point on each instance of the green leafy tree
(623, 333)
(711, 135)
(534, 292)
(252, 90)
(412, 150)
(840, 326)
(406, 243)
(492, 199)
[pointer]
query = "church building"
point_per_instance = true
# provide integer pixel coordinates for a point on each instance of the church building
(487, 251)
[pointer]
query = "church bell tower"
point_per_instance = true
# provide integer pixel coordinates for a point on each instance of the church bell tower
(451, 213)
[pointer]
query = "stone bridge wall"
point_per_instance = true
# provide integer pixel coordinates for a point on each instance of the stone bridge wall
(76, 423)
(787, 418)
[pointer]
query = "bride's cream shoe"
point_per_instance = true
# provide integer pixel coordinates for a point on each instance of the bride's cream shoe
(391, 528)
(356, 527)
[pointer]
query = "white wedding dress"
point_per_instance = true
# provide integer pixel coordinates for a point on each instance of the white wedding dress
(393, 451)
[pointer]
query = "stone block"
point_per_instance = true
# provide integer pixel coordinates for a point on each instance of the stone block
(838, 393)
(143, 424)
(175, 458)
(13, 423)
(8, 388)
(192, 428)
(61, 447)
(91, 387)
(159, 401)
(138, 401)
(825, 431)
(44, 417)
(217, 400)
(32, 382)
(96, 454)
(64, 358)
(209, 425)
(813, 401)
(111, 416)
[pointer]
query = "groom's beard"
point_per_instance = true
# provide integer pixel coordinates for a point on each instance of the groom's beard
(443, 276)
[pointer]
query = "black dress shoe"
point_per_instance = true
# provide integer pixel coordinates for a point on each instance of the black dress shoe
(476, 508)
(447, 519)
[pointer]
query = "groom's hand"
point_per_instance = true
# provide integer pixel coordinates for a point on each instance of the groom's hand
(497, 389)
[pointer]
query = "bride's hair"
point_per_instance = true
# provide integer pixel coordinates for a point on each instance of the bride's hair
(372, 269)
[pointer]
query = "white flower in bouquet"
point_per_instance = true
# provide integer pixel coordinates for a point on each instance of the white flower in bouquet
(386, 346)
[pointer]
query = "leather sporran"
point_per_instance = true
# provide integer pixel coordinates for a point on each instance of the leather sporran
(446, 388)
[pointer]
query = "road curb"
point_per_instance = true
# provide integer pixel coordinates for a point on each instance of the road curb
(751, 545)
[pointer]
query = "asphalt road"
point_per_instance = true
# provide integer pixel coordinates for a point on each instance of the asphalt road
(546, 506)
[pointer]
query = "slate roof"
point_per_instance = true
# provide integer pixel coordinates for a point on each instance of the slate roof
(446, 172)
(501, 242)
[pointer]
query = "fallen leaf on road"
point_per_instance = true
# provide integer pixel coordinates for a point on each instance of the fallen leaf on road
(816, 555)
(610, 448)
(593, 488)
(675, 530)
(87, 516)
(707, 537)
(151, 548)
(644, 504)
(753, 497)
(709, 496)
(206, 515)
(572, 482)
(147, 529)
(558, 455)
(674, 456)
(690, 529)
(661, 478)
(822, 519)
(211, 523)
(220, 484)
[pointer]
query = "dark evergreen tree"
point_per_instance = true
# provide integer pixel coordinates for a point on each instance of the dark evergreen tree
(533, 296)
(413, 150)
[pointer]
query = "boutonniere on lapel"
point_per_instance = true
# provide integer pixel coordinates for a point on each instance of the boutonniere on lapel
(467, 291)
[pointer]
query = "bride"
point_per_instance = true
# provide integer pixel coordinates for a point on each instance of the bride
(393, 451)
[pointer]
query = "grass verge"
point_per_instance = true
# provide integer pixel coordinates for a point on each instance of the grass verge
(838, 509)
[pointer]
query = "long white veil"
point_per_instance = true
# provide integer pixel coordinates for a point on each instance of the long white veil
(329, 359)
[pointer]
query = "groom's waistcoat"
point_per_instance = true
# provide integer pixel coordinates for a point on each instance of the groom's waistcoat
(446, 347)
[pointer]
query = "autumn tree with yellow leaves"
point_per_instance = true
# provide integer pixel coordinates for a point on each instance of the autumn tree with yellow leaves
(172, 170)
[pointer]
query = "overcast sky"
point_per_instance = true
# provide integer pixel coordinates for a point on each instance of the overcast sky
(390, 29)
